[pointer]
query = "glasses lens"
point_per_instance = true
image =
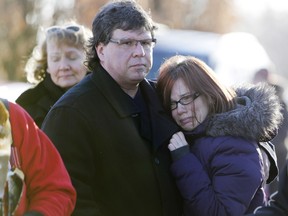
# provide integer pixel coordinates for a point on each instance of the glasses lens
(132, 43)
(58, 28)
(73, 28)
(186, 100)
(53, 29)
(146, 43)
(173, 106)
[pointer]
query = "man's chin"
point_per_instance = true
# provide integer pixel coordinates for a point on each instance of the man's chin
(140, 76)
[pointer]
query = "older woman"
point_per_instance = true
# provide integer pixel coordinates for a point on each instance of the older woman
(220, 164)
(56, 65)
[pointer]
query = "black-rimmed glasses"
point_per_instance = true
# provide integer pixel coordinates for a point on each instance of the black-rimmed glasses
(185, 100)
(132, 43)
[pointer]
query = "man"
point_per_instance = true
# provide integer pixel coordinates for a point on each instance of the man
(110, 129)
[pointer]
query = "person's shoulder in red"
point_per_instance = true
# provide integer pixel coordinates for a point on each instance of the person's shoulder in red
(49, 190)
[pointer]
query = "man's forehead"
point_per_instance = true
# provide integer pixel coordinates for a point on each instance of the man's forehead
(137, 32)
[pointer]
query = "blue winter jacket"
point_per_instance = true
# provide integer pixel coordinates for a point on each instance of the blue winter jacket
(226, 167)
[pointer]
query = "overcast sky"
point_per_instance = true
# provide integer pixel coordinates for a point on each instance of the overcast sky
(258, 7)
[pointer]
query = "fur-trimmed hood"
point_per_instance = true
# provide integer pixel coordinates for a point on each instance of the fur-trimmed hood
(257, 115)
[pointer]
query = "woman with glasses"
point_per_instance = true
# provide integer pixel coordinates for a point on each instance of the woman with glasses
(55, 66)
(221, 157)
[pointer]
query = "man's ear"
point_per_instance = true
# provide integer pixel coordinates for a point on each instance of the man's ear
(100, 51)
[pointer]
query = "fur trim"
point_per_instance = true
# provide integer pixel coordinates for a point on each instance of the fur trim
(257, 115)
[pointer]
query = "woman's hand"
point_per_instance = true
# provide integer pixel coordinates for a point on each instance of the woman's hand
(177, 141)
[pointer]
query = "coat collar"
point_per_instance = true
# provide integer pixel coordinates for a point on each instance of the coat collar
(162, 125)
(257, 115)
(122, 103)
(54, 90)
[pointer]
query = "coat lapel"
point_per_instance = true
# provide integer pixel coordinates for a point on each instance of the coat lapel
(162, 125)
(119, 100)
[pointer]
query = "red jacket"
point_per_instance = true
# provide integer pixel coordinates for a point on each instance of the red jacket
(48, 187)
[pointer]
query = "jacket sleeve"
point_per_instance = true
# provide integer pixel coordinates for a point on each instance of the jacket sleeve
(65, 130)
(221, 180)
(48, 186)
(278, 203)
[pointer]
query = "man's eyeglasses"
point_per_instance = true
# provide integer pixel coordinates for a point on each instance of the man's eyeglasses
(187, 99)
(132, 43)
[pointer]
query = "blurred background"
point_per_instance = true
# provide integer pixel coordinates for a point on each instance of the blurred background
(266, 21)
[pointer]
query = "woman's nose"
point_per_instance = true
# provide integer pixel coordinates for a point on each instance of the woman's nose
(64, 64)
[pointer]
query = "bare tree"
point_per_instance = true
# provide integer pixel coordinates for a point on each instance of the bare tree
(15, 37)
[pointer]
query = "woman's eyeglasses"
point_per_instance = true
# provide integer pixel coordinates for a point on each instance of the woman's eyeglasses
(59, 28)
(187, 99)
